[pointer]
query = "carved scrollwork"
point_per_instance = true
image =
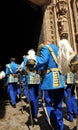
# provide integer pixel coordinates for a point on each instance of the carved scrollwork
(63, 26)
(61, 7)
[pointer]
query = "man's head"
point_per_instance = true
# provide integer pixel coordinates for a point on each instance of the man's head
(40, 46)
(12, 59)
(74, 64)
(46, 42)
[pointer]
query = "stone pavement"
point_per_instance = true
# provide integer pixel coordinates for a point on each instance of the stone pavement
(13, 118)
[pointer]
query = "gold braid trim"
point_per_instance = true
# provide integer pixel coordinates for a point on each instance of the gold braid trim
(52, 53)
(74, 63)
(48, 117)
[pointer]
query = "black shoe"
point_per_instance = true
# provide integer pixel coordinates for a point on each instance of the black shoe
(67, 118)
(14, 105)
(26, 100)
(75, 115)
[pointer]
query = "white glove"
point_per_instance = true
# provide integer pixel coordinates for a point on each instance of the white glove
(2, 75)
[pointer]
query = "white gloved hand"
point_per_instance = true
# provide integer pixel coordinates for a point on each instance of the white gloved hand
(2, 75)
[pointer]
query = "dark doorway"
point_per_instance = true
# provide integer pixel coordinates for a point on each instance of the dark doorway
(20, 26)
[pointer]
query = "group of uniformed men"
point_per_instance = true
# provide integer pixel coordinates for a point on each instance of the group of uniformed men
(41, 72)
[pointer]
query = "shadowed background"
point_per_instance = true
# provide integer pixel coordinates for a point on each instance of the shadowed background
(20, 25)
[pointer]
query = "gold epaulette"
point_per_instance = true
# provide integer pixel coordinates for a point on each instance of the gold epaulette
(40, 46)
(52, 53)
(74, 63)
(6, 65)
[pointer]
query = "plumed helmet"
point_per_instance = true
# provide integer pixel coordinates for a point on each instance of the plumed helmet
(65, 45)
(31, 54)
(31, 51)
(65, 54)
(31, 59)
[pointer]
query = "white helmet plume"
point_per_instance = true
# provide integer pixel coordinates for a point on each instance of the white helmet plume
(65, 54)
(31, 54)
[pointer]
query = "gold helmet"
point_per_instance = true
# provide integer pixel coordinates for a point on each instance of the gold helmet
(74, 64)
(31, 65)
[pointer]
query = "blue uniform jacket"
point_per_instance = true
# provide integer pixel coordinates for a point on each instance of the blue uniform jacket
(31, 77)
(52, 79)
(10, 77)
(69, 78)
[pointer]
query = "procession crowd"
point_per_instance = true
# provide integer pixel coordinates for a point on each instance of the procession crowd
(44, 74)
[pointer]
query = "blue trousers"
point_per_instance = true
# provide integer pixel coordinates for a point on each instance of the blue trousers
(33, 96)
(70, 100)
(12, 90)
(23, 90)
(53, 100)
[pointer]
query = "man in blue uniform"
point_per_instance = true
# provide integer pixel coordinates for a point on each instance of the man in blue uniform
(32, 81)
(70, 98)
(12, 80)
(74, 69)
(52, 84)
